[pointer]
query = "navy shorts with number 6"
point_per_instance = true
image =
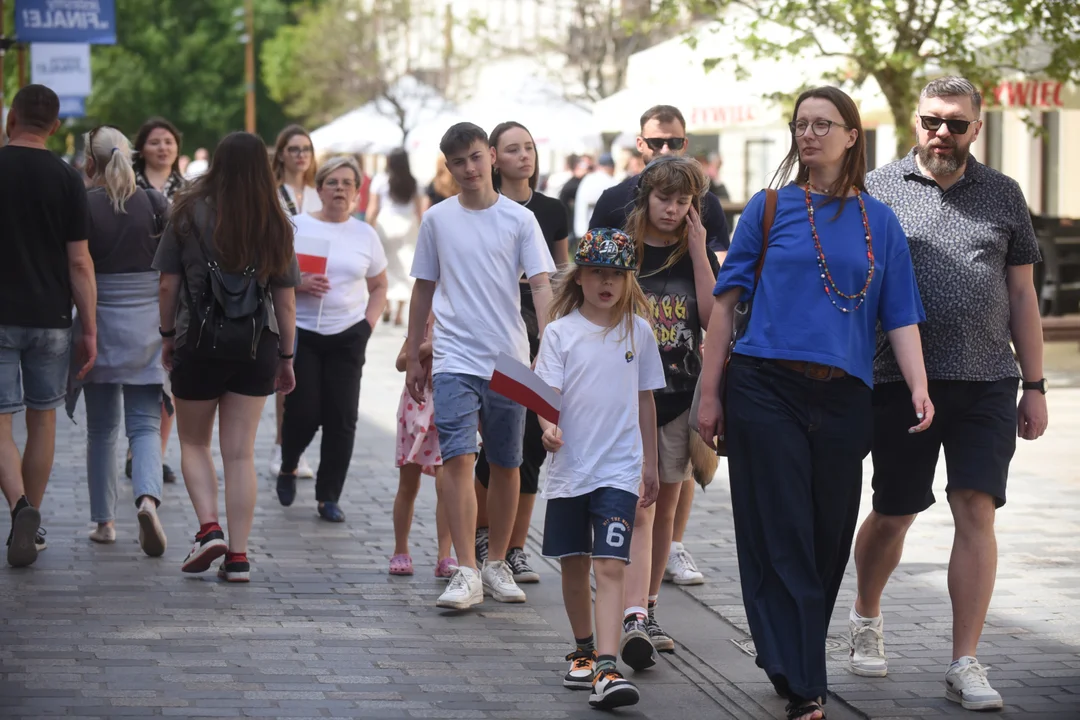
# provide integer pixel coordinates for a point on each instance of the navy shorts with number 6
(599, 523)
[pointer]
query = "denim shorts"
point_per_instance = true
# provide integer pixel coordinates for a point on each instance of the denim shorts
(599, 523)
(465, 404)
(33, 368)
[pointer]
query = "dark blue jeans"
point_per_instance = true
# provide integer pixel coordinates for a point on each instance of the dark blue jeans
(795, 452)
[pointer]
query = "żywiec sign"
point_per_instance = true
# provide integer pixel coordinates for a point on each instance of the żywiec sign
(1032, 94)
(719, 116)
(66, 21)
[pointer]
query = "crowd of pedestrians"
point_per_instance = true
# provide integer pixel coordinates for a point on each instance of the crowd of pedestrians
(828, 329)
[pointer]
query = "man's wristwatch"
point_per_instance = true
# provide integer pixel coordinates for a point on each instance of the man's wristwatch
(1040, 385)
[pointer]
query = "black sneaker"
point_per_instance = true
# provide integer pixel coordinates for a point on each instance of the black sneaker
(209, 546)
(167, 474)
(286, 488)
(637, 649)
(660, 639)
(127, 464)
(21, 545)
(481, 546)
(519, 565)
(582, 670)
(235, 569)
(611, 690)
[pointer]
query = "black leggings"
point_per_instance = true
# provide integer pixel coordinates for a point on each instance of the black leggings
(328, 370)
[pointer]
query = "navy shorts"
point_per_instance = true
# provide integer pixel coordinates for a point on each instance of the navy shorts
(599, 523)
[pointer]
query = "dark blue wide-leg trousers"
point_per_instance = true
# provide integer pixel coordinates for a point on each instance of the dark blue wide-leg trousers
(795, 452)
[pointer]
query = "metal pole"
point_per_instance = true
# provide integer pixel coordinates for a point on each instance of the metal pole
(20, 53)
(249, 66)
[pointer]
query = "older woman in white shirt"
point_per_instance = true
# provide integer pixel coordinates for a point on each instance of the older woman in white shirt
(336, 310)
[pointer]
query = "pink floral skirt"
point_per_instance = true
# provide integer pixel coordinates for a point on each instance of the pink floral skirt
(417, 438)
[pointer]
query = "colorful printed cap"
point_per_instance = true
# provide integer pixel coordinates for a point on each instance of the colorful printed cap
(606, 247)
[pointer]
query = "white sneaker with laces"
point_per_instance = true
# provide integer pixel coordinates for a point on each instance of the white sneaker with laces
(275, 461)
(966, 683)
(303, 469)
(462, 591)
(867, 642)
(499, 583)
(681, 568)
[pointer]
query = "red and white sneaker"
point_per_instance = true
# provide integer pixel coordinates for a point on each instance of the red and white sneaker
(235, 568)
(208, 547)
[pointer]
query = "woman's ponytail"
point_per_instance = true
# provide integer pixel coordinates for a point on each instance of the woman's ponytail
(112, 160)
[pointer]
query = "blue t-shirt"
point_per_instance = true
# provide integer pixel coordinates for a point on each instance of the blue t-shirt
(792, 317)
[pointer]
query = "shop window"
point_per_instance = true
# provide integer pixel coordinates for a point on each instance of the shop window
(759, 164)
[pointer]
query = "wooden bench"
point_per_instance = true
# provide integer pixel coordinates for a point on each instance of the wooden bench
(1062, 328)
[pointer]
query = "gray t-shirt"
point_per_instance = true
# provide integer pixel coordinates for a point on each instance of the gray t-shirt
(962, 240)
(182, 254)
(121, 242)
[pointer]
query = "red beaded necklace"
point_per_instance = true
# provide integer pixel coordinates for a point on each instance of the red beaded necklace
(826, 276)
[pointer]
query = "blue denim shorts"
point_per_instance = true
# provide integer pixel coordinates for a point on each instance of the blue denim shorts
(599, 523)
(33, 368)
(465, 404)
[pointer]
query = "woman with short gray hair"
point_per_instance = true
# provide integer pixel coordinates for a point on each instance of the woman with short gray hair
(340, 298)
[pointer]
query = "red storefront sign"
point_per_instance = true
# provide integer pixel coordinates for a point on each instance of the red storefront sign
(718, 116)
(1036, 94)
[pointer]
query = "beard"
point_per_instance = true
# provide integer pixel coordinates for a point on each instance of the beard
(943, 164)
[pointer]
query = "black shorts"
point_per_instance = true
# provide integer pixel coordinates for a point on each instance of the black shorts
(195, 378)
(974, 421)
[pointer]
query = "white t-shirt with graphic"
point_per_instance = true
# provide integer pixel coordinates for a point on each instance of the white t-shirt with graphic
(599, 372)
(355, 255)
(476, 258)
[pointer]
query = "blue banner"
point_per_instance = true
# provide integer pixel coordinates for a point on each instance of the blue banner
(72, 107)
(66, 21)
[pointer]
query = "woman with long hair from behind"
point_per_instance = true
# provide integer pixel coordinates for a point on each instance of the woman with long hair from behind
(123, 237)
(442, 187)
(825, 265)
(394, 211)
(227, 301)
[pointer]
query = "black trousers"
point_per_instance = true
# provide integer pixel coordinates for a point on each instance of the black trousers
(328, 370)
(795, 452)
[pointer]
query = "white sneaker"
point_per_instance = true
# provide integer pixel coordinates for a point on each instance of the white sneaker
(303, 470)
(867, 644)
(463, 591)
(499, 582)
(152, 538)
(966, 683)
(681, 569)
(275, 461)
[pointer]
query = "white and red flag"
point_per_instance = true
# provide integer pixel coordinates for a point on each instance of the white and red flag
(312, 255)
(514, 380)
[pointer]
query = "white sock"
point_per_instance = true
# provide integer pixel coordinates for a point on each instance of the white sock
(636, 611)
(857, 618)
(961, 662)
(676, 547)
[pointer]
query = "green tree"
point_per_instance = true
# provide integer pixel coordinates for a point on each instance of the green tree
(902, 43)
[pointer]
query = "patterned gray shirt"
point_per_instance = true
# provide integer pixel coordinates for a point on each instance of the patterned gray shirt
(961, 239)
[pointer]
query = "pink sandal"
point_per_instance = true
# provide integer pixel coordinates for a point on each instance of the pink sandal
(446, 567)
(401, 565)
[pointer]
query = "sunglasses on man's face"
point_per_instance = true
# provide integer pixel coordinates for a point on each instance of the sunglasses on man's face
(956, 127)
(657, 144)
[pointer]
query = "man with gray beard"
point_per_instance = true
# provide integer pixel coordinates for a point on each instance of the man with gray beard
(973, 247)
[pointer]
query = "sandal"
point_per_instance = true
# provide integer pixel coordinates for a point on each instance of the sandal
(797, 709)
(446, 567)
(401, 565)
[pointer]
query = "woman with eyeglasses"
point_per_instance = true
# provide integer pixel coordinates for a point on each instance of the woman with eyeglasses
(798, 417)
(337, 307)
(124, 223)
(394, 211)
(294, 171)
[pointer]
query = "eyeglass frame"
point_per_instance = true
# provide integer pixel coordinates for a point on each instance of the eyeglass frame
(661, 142)
(947, 122)
(349, 185)
(809, 125)
(297, 151)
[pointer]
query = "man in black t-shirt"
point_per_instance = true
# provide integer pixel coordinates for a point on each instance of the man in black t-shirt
(44, 264)
(663, 132)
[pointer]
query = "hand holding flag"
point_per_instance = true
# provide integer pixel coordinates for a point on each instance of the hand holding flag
(313, 255)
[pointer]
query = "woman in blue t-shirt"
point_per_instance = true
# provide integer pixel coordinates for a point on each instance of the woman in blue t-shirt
(798, 416)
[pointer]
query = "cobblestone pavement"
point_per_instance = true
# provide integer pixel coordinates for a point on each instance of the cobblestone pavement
(322, 631)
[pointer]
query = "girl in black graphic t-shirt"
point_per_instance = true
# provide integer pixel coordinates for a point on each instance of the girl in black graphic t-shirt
(515, 174)
(677, 274)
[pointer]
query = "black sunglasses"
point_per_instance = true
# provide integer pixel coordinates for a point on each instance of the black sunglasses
(657, 144)
(956, 127)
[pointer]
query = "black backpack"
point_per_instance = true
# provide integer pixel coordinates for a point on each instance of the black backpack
(228, 317)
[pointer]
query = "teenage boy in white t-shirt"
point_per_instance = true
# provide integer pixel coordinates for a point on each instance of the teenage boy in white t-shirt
(470, 253)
